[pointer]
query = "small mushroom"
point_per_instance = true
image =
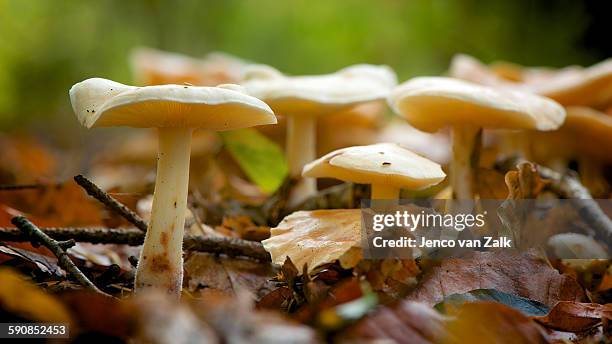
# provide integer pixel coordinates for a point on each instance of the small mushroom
(304, 98)
(430, 103)
(175, 110)
(386, 166)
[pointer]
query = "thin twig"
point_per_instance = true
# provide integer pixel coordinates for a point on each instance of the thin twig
(568, 186)
(94, 191)
(21, 187)
(58, 248)
(232, 247)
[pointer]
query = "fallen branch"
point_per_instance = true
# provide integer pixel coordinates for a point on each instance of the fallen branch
(232, 247)
(94, 191)
(566, 185)
(58, 248)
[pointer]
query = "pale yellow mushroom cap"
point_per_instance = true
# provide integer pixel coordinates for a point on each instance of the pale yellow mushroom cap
(382, 163)
(316, 95)
(104, 103)
(573, 85)
(586, 132)
(430, 103)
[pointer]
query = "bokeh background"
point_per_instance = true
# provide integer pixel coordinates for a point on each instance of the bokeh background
(48, 45)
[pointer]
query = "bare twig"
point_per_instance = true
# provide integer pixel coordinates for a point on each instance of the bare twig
(131, 236)
(94, 191)
(567, 186)
(21, 187)
(58, 248)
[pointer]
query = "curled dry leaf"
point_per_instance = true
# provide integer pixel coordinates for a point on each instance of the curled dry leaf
(315, 237)
(523, 274)
(575, 316)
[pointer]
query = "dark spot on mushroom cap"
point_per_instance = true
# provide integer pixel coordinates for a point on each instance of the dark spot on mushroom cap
(381, 152)
(386, 163)
(93, 111)
(175, 204)
(185, 86)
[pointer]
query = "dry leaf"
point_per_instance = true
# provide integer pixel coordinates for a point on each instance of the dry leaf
(523, 274)
(489, 322)
(27, 301)
(575, 316)
(407, 322)
(315, 237)
(162, 320)
(205, 272)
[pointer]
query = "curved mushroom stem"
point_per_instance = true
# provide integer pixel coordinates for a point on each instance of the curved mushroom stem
(380, 191)
(161, 259)
(301, 149)
(466, 156)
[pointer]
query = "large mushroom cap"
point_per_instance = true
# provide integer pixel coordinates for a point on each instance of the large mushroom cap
(573, 85)
(430, 103)
(319, 94)
(105, 103)
(383, 163)
(586, 132)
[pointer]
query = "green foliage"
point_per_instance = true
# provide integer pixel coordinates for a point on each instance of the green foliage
(260, 158)
(46, 46)
(524, 305)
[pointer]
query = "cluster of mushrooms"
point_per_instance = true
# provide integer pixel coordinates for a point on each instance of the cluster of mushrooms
(518, 101)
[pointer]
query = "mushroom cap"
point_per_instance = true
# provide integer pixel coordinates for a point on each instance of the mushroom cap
(585, 132)
(316, 95)
(430, 103)
(104, 103)
(382, 163)
(573, 85)
(157, 67)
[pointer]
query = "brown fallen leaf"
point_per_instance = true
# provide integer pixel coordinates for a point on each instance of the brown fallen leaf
(523, 274)
(487, 322)
(236, 320)
(205, 272)
(315, 237)
(575, 316)
(97, 314)
(162, 320)
(46, 264)
(24, 300)
(407, 322)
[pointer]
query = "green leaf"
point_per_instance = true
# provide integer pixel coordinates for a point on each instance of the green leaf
(524, 305)
(261, 159)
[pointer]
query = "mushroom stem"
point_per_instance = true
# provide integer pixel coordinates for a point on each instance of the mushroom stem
(466, 156)
(591, 176)
(301, 149)
(161, 259)
(381, 191)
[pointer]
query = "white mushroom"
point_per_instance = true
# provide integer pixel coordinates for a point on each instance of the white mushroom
(430, 103)
(176, 110)
(303, 98)
(386, 166)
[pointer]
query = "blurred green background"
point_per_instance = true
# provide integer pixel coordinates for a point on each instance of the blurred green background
(48, 45)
